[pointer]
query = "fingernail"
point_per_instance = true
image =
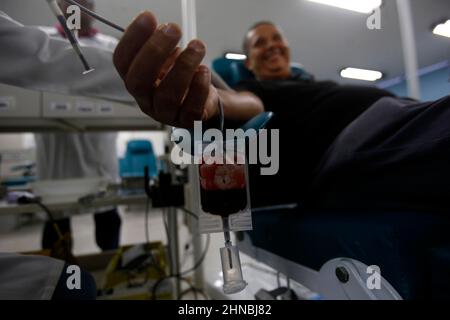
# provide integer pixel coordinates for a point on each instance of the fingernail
(142, 19)
(197, 46)
(169, 29)
(203, 69)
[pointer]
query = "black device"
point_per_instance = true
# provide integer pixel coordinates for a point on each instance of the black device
(164, 193)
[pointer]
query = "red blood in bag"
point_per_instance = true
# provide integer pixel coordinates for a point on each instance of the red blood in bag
(223, 189)
(222, 176)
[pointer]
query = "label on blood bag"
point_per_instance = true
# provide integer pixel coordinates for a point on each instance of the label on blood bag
(7, 103)
(60, 106)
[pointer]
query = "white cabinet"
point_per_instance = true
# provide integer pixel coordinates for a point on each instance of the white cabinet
(87, 114)
(62, 106)
(19, 103)
(24, 110)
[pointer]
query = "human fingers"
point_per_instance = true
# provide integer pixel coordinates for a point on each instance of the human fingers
(167, 66)
(173, 89)
(146, 66)
(194, 104)
(135, 36)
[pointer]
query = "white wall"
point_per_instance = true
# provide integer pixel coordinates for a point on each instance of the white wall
(11, 141)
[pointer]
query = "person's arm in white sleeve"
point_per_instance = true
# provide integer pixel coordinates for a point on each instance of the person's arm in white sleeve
(31, 59)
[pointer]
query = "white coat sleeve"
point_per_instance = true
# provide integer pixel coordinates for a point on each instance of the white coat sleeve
(31, 59)
(26, 277)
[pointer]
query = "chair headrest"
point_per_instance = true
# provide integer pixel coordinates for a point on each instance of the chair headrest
(234, 71)
(140, 146)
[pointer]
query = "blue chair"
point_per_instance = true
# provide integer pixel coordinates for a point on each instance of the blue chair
(234, 71)
(139, 154)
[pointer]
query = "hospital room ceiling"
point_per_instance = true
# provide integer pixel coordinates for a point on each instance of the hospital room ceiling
(323, 38)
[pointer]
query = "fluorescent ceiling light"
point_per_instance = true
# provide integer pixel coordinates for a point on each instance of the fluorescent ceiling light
(235, 56)
(363, 6)
(443, 29)
(361, 74)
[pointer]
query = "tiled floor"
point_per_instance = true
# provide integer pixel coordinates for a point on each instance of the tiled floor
(28, 237)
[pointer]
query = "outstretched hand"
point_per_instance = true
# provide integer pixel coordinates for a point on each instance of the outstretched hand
(169, 83)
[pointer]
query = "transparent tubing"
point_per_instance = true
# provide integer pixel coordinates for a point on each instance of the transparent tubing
(233, 281)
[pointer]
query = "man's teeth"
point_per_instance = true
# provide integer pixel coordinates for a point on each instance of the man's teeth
(273, 53)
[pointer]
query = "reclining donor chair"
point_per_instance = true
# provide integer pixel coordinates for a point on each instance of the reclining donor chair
(337, 252)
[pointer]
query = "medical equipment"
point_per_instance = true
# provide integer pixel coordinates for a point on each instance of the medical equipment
(70, 35)
(73, 40)
(61, 248)
(224, 193)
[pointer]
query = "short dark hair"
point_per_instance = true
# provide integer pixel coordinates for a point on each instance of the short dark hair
(245, 44)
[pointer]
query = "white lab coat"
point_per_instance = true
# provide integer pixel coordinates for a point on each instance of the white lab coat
(24, 277)
(78, 155)
(33, 59)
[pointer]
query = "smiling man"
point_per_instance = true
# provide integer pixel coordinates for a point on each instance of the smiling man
(268, 52)
(309, 114)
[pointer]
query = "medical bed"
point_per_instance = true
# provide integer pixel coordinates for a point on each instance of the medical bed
(330, 251)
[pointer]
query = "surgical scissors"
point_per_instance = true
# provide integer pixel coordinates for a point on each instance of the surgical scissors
(70, 35)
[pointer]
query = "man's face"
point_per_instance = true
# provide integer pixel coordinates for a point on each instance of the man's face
(86, 21)
(268, 53)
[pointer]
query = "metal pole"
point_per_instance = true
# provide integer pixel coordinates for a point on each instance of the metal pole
(172, 223)
(197, 246)
(189, 16)
(172, 226)
(409, 47)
